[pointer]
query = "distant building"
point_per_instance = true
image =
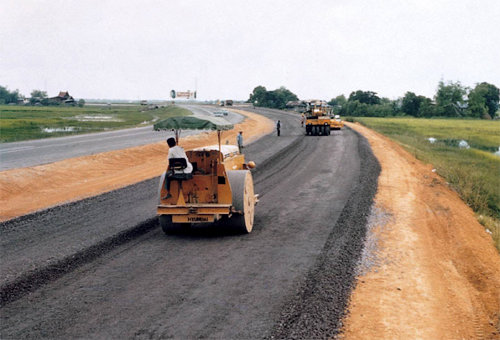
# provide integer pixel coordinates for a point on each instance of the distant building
(297, 106)
(63, 97)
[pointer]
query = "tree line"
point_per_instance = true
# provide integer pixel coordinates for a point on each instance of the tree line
(275, 99)
(37, 97)
(452, 99)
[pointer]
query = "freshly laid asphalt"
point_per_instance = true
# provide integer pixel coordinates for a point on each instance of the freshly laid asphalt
(102, 268)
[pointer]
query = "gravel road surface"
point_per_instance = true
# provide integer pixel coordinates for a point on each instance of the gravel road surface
(42, 151)
(102, 268)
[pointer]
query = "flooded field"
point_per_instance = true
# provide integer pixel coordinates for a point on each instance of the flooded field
(464, 151)
(19, 123)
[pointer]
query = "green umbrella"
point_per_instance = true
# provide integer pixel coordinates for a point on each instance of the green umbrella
(193, 123)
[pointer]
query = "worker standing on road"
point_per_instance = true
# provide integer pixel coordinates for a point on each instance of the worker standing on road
(302, 120)
(239, 140)
(175, 151)
(278, 127)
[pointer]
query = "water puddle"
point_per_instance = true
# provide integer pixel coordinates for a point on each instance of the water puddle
(463, 144)
(64, 129)
(96, 118)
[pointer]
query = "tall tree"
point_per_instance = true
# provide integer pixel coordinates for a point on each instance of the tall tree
(339, 100)
(338, 104)
(258, 95)
(450, 99)
(38, 96)
(427, 108)
(483, 101)
(416, 106)
(281, 96)
(411, 104)
(7, 97)
(276, 99)
(365, 97)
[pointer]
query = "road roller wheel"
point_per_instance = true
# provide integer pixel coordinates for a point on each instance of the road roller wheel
(241, 183)
(327, 130)
(170, 227)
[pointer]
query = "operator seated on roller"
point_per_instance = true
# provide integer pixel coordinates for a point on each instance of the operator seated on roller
(175, 151)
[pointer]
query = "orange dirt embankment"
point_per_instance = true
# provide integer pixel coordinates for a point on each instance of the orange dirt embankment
(26, 190)
(437, 274)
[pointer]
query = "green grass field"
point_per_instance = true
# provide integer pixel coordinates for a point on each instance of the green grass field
(474, 172)
(19, 123)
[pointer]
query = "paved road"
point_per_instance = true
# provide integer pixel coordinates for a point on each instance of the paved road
(42, 151)
(102, 268)
(205, 110)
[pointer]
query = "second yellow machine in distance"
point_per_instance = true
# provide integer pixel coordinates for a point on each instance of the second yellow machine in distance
(336, 123)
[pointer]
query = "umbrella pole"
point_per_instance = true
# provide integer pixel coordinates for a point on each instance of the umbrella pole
(219, 132)
(177, 133)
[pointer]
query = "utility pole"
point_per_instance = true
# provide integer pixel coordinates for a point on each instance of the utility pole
(195, 87)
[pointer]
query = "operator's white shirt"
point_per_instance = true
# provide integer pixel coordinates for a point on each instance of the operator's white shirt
(178, 152)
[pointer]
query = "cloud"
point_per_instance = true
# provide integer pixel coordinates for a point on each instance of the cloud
(131, 49)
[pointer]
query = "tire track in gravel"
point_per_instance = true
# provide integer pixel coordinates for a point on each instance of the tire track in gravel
(30, 281)
(232, 287)
(27, 272)
(316, 309)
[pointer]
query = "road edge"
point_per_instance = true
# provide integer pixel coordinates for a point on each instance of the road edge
(312, 298)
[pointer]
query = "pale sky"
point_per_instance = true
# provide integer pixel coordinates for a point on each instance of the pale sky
(317, 49)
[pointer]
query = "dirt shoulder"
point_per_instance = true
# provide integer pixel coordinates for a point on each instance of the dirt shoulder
(437, 273)
(26, 190)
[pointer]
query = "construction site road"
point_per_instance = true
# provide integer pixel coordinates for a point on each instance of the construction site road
(42, 151)
(102, 268)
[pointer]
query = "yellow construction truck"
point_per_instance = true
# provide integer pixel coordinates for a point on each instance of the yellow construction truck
(220, 187)
(317, 118)
(336, 123)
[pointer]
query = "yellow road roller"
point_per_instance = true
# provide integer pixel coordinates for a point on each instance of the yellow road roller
(219, 188)
(317, 118)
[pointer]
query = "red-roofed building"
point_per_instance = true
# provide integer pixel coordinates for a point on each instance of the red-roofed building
(63, 97)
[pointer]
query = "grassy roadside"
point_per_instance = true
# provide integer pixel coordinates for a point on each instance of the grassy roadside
(473, 172)
(19, 123)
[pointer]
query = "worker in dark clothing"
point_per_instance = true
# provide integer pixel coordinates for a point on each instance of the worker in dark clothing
(239, 140)
(278, 127)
